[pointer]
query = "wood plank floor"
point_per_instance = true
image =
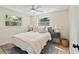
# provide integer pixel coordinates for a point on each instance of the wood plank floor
(54, 48)
(50, 48)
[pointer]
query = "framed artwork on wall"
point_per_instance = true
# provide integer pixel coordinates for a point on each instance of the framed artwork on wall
(13, 21)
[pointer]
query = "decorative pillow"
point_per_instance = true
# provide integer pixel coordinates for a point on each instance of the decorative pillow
(35, 29)
(42, 29)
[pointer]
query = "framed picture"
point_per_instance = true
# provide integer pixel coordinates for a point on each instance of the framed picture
(13, 21)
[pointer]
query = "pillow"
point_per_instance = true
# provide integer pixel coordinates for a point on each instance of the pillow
(35, 29)
(42, 29)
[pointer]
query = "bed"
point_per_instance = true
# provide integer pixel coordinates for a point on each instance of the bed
(32, 42)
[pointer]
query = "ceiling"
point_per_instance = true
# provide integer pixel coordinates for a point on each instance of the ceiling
(25, 9)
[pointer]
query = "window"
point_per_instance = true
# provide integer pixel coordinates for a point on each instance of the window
(44, 21)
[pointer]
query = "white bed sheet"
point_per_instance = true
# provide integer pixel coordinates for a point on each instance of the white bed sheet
(32, 42)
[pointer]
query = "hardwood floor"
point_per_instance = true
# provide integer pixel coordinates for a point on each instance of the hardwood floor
(11, 49)
(54, 48)
(50, 48)
(1, 51)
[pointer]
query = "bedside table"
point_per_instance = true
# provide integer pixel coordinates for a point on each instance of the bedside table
(56, 36)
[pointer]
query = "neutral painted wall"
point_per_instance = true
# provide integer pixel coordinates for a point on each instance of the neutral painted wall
(74, 27)
(58, 18)
(6, 32)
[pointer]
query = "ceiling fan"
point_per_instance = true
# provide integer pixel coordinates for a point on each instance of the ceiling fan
(35, 9)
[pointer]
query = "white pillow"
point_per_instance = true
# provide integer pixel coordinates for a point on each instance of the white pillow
(35, 29)
(42, 29)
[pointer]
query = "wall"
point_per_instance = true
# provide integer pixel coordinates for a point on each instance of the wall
(74, 27)
(6, 32)
(58, 19)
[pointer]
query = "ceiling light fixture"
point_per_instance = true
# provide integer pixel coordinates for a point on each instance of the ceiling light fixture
(33, 11)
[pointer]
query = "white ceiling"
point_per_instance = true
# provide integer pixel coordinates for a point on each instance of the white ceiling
(26, 8)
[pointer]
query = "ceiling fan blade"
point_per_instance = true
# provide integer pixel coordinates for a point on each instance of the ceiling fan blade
(38, 6)
(38, 10)
(34, 8)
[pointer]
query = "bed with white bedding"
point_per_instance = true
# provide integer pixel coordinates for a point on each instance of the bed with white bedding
(32, 42)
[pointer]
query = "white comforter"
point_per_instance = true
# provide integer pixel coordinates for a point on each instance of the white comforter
(32, 42)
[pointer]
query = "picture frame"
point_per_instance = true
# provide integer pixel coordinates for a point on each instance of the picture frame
(13, 20)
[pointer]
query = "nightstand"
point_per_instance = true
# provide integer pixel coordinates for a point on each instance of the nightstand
(56, 36)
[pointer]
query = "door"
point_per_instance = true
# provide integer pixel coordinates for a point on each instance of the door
(74, 28)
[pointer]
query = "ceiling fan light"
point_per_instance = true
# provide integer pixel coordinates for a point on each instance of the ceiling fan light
(33, 11)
